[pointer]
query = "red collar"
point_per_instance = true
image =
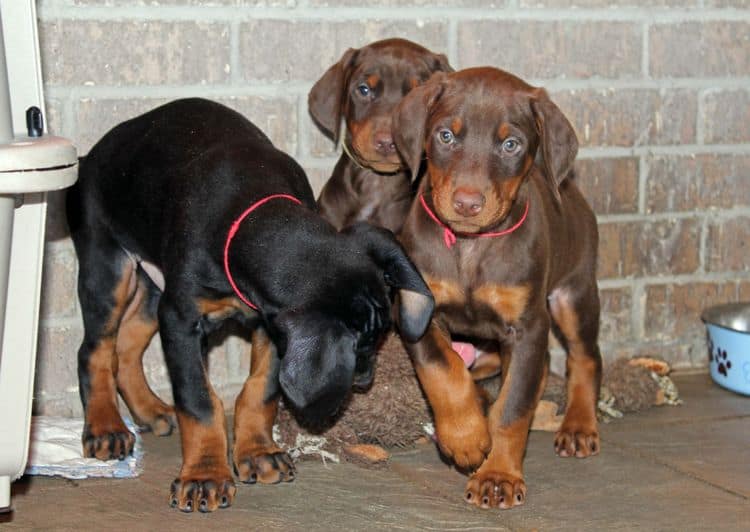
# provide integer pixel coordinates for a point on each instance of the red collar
(230, 235)
(449, 237)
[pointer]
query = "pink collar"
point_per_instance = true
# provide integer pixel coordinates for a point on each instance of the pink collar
(230, 235)
(449, 237)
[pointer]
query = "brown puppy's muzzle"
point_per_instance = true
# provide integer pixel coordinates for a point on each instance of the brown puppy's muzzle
(468, 202)
(373, 145)
(469, 209)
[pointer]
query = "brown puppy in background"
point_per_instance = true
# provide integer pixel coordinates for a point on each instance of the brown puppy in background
(369, 182)
(508, 247)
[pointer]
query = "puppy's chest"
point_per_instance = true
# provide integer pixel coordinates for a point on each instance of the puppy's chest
(474, 299)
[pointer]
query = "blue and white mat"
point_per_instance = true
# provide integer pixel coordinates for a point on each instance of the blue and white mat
(55, 450)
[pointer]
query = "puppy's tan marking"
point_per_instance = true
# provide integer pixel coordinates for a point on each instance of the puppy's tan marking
(507, 300)
(445, 292)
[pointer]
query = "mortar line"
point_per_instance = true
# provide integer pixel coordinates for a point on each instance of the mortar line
(703, 246)
(643, 171)
(645, 51)
(271, 87)
(676, 279)
(724, 214)
(225, 13)
(235, 76)
(700, 134)
(303, 128)
(452, 49)
(637, 311)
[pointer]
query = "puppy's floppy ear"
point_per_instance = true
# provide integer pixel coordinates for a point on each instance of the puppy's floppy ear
(558, 140)
(416, 303)
(441, 63)
(327, 96)
(410, 120)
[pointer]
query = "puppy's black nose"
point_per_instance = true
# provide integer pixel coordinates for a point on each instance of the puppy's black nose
(384, 144)
(468, 202)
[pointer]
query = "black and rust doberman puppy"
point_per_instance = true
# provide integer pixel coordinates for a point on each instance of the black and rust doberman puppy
(188, 216)
(369, 182)
(508, 247)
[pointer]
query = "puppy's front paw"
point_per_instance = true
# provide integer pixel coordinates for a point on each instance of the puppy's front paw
(161, 423)
(465, 438)
(189, 492)
(494, 489)
(577, 440)
(107, 443)
(267, 466)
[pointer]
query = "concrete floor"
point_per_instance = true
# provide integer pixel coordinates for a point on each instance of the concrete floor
(670, 468)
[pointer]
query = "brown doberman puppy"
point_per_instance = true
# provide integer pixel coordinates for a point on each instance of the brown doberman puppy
(508, 247)
(369, 182)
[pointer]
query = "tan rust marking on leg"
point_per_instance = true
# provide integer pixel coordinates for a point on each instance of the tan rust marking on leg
(122, 294)
(457, 406)
(216, 309)
(499, 481)
(135, 333)
(253, 420)
(508, 301)
(444, 291)
(579, 431)
(204, 445)
(205, 480)
(102, 417)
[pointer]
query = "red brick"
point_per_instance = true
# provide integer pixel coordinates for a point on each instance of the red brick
(721, 126)
(318, 177)
(59, 284)
(673, 311)
(134, 52)
(688, 49)
(410, 3)
(662, 247)
(610, 185)
(685, 183)
(267, 52)
(276, 117)
(97, 116)
(616, 311)
(743, 291)
(56, 222)
(552, 49)
(630, 117)
(57, 361)
(728, 245)
(609, 3)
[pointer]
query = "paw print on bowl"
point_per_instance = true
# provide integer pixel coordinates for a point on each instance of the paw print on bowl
(723, 364)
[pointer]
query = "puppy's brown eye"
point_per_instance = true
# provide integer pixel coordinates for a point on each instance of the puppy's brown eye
(363, 89)
(446, 136)
(510, 145)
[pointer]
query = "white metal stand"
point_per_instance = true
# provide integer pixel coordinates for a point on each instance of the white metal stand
(28, 168)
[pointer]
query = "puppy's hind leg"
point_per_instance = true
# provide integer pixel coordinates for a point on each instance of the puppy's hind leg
(257, 458)
(138, 326)
(106, 284)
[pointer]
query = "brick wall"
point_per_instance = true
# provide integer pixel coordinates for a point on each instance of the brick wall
(659, 92)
